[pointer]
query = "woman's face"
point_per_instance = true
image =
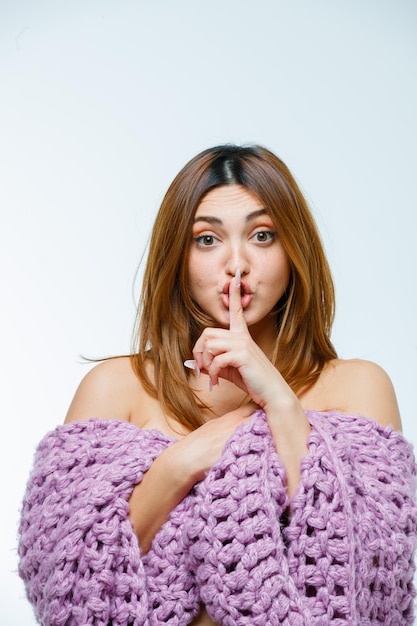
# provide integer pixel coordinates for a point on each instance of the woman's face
(232, 229)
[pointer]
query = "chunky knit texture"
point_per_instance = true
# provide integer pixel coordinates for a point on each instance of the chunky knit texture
(343, 556)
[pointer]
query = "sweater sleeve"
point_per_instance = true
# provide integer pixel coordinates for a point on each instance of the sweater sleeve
(79, 556)
(237, 546)
(344, 554)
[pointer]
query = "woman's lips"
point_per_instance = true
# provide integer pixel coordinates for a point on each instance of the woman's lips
(246, 294)
(245, 299)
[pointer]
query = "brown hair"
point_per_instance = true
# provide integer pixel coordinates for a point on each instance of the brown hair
(169, 321)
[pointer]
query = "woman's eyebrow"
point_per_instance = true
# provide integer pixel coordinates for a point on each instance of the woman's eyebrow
(209, 219)
(256, 214)
(218, 222)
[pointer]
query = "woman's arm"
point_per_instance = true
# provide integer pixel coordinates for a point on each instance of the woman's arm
(233, 354)
(112, 391)
(174, 472)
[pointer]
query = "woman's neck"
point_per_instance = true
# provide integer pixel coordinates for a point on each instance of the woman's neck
(264, 334)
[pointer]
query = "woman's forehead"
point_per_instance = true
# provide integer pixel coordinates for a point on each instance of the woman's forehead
(229, 197)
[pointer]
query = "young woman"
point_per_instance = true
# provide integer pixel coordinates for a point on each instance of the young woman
(233, 470)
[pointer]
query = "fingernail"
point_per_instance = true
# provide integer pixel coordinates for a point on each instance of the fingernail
(211, 386)
(237, 277)
(192, 365)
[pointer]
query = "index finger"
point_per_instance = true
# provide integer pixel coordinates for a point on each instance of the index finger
(237, 322)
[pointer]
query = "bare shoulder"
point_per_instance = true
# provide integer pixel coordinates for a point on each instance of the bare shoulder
(109, 391)
(360, 387)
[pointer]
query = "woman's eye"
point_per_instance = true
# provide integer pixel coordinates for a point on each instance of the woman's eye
(205, 240)
(264, 235)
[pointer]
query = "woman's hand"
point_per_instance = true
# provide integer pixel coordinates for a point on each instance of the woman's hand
(198, 451)
(176, 470)
(233, 355)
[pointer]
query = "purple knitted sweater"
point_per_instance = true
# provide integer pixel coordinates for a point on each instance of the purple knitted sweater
(344, 556)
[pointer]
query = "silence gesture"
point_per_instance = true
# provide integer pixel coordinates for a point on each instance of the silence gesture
(233, 355)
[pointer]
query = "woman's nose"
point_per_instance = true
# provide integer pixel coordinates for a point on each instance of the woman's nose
(237, 259)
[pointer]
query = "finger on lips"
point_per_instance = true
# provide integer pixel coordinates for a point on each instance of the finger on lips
(237, 320)
(237, 323)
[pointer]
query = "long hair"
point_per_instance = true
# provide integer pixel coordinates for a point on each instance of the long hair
(169, 321)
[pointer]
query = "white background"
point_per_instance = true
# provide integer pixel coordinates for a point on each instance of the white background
(101, 103)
